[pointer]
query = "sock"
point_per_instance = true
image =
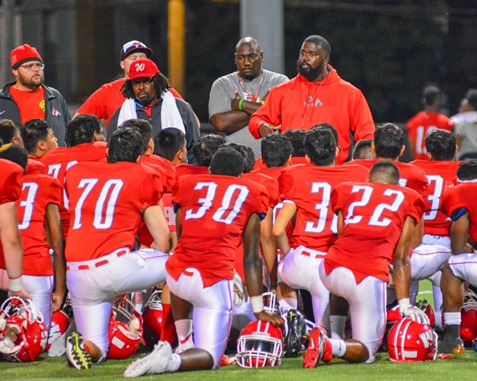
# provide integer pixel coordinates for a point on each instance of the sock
(452, 318)
(287, 304)
(338, 347)
(338, 325)
(168, 329)
(184, 331)
(174, 363)
(453, 331)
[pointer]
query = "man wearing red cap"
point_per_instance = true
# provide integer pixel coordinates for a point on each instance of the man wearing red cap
(108, 98)
(28, 98)
(148, 97)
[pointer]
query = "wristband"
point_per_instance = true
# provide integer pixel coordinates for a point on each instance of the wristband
(240, 104)
(257, 303)
(403, 304)
(15, 284)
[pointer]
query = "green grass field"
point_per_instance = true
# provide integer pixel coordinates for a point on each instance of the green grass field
(458, 367)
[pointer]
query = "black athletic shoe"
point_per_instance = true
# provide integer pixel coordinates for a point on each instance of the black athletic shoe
(296, 331)
(76, 354)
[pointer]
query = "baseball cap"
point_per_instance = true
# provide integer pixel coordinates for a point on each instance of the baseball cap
(142, 68)
(132, 47)
(23, 53)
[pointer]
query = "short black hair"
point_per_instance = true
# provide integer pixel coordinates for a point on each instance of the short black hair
(8, 130)
(319, 40)
(144, 128)
(362, 150)
(297, 138)
(204, 149)
(126, 144)
(276, 149)
(385, 172)
(431, 95)
(467, 170)
(247, 155)
(388, 141)
(81, 130)
(14, 153)
(168, 141)
(226, 161)
(441, 144)
(320, 145)
(32, 132)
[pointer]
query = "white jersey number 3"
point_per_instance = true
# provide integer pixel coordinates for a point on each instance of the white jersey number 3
(207, 202)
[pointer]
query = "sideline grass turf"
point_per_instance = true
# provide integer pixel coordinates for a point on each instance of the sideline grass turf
(461, 367)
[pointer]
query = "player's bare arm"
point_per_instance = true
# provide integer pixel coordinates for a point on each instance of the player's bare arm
(459, 232)
(58, 245)
(253, 271)
(279, 228)
(12, 248)
(157, 225)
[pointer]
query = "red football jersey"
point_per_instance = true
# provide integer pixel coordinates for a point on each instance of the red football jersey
(463, 195)
(106, 204)
(60, 159)
(271, 185)
(215, 210)
(441, 176)
(309, 188)
(189, 169)
(420, 125)
(411, 176)
(373, 218)
(38, 191)
(35, 166)
(165, 169)
(11, 181)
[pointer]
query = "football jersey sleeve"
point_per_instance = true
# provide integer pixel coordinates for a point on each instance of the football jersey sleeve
(151, 191)
(11, 181)
(452, 201)
(286, 183)
(55, 192)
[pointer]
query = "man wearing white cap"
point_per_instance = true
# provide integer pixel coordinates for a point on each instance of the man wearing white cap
(28, 98)
(108, 98)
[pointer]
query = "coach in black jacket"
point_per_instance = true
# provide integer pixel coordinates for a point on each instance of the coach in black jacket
(27, 67)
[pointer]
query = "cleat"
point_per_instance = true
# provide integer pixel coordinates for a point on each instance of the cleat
(314, 352)
(154, 363)
(295, 322)
(451, 345)
(76, 354)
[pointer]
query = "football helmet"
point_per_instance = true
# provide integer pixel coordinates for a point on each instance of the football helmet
(260, 344)
(22, 331)
(125, 330)
(409, 341)
(152, 316)
(468, 313)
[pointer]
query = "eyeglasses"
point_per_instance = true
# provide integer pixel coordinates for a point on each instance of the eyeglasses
(30, 67)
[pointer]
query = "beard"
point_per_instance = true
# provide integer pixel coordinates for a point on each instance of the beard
(308, 72)
(32, 83)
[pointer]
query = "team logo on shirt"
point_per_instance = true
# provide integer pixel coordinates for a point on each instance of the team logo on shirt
(313, 102)
(42, 105)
